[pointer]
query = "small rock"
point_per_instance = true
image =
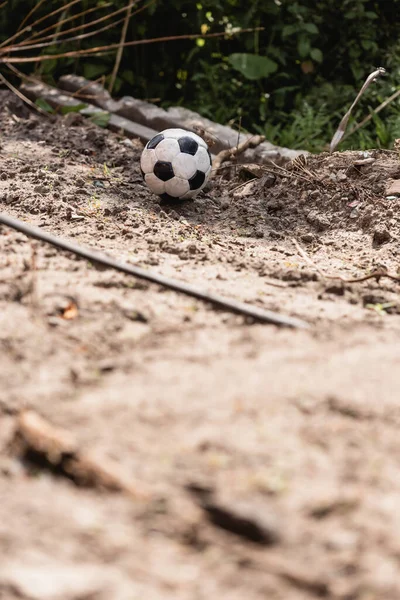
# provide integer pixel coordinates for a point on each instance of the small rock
(41, 189)
(307, 238)
(243, 520)
(381, 235)
(337, 290)
(394, 188)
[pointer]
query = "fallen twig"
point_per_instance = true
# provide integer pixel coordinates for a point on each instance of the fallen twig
(39, 442)
(230, 153)
(259, 314)
(376, 274)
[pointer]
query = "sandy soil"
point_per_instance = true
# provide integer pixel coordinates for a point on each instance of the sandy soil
(269, 458)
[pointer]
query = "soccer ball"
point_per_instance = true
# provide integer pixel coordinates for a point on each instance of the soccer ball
(176, 164)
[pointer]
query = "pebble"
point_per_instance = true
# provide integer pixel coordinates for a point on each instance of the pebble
(381, 235)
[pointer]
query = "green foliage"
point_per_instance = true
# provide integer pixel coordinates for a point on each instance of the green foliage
(293, 80)
(253, 66)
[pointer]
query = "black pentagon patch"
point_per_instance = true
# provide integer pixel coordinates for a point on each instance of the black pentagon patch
(163, 170)
(188, 145)
(197, 180)
(155, 141)
(170, 199)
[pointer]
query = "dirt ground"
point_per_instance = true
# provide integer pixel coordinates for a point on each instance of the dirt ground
(266, 460)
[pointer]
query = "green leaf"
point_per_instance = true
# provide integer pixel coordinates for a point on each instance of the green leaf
(94, 70)
(44, 105)
(101, 118)
(303, 46)
(317, 55)
(253, 66)
(289, 30)
(310, 28)
(128, 76)
(68, 109)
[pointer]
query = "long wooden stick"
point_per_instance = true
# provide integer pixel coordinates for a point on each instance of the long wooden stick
(259, 314)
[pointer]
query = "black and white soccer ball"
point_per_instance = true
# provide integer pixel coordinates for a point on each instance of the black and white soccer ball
(176, 164)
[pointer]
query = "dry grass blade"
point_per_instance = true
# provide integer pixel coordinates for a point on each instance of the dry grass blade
(121, 47)
(111, 47)
(343, 123)
(2, 5)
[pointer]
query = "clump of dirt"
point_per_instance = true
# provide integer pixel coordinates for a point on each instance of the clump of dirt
(269, 456)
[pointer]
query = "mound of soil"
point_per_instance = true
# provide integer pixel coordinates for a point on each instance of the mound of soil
(268, 458)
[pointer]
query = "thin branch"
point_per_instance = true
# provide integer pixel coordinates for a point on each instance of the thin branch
(75, 38)
(22, 96)
(2, 5)
(111, 47)
(343, 123)
(30, 13)
(121, 47)
(29, 27)
(83, 13)
(94, 257)
(75, 28)
(230, 153)
(23, 46)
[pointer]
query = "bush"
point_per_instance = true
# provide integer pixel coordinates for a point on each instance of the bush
(293, 80)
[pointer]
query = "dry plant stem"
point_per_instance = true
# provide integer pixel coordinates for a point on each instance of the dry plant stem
(58, 28)
(23, 97)
(2, 5)
(377, 274)
(100, 50)
(121, 47)
(343, 123)
(374, 112)
(230, 153)
(241, 308)
(27, 28)
(30, 13)
(25, 44)
(75, 38)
